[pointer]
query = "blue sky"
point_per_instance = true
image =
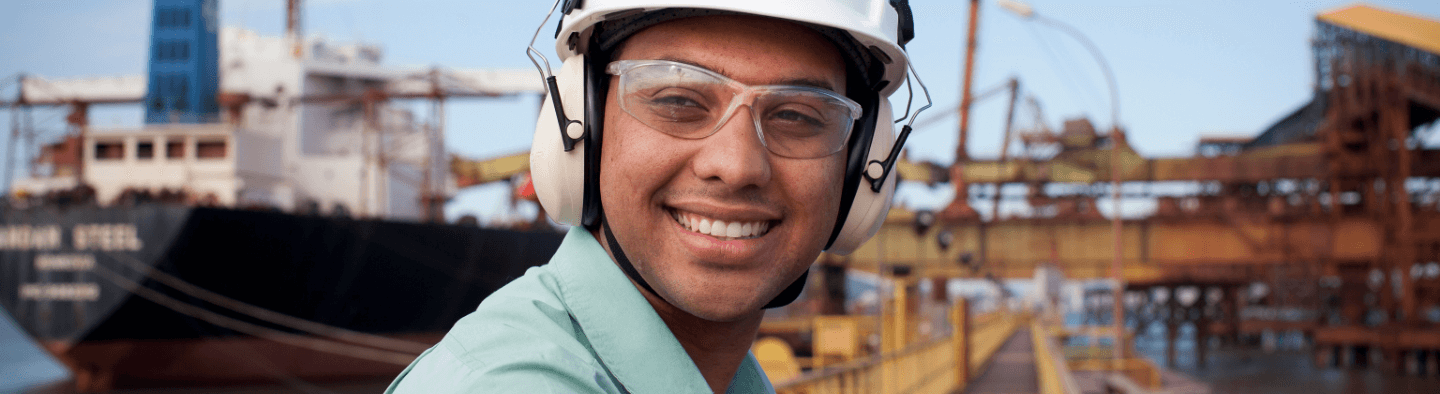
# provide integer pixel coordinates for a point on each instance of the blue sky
(1183, 69)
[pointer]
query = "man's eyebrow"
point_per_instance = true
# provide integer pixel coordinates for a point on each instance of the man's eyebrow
(802, 81)
(814, 83)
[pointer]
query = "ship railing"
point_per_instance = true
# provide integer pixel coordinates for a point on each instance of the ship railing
(940, 365)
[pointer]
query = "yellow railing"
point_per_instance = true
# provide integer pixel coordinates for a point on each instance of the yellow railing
(928, 367)
(1052, 371)
(924, 367)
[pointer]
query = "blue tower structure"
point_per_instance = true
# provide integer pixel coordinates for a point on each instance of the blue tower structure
(184, 75)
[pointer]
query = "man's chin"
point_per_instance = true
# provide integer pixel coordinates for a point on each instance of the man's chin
(723, 313)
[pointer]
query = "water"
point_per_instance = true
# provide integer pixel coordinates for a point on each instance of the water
(26, 368)
(23, 363)
(1288, 369)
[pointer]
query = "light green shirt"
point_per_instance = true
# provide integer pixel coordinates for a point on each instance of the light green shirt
(575, 325)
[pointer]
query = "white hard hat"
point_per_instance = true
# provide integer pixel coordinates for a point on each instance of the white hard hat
(878, 29)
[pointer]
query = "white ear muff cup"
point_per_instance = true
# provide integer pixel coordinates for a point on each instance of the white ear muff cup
(558, 175)
(869, 208)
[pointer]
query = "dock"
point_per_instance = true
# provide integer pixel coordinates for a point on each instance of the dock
(1012, 370)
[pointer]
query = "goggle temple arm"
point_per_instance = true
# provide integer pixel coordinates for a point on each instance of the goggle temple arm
(877, 171)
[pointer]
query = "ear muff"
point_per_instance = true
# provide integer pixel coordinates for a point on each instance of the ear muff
(867, 207)
(558, 173)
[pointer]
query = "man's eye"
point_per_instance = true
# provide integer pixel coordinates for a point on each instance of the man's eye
(796, 118)
(675, 101)
(676, 108)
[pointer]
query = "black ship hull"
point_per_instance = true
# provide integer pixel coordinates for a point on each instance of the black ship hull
(158, 295)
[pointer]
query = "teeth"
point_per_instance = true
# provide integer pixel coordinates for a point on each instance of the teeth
(720, 228)
(703, 228)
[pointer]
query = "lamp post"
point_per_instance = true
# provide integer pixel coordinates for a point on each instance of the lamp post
(1024, 11)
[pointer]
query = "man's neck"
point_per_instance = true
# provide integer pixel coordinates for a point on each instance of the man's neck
(716, 348)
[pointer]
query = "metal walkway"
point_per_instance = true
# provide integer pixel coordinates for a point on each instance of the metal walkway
(1011, 369)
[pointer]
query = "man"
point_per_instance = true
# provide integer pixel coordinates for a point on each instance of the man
(739, 141)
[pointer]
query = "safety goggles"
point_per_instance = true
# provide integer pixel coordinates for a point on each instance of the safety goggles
(690, 102)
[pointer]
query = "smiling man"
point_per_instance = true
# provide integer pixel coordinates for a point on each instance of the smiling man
(707, 152)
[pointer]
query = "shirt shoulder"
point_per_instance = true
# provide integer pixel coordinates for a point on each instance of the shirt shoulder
(521, 339)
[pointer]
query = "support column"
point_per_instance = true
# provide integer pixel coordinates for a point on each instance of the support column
(832, 278)
(1145, 313)
(1431, 360)
(1394, 359)
(1353, 287)
(1399, 126)
(960, 320)
(1230, 308)
(1202, 327)
(1323, 357)
(896, 330)
(1172, 326)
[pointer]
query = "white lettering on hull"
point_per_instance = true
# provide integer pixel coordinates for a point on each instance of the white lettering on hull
(26, 237)
(106, 237)
(64, 262)
(60, 291)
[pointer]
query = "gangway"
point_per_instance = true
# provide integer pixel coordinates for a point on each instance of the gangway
(1000, 351)
(1012, 370)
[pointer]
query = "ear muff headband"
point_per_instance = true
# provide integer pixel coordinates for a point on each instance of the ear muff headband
(859, 152)
(597, 86)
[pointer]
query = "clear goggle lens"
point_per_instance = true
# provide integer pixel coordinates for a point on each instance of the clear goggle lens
(690, 102)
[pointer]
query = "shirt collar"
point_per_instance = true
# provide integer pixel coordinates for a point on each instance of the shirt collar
(631, 340)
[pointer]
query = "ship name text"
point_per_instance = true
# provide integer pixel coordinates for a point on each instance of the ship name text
(106, 237)
(96, 236)
(26, 237)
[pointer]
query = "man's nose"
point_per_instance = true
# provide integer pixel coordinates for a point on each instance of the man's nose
(734, 155)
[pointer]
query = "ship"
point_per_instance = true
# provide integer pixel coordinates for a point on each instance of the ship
(277, 218)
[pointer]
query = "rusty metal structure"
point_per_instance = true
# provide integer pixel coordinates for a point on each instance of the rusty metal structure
(1326, 223)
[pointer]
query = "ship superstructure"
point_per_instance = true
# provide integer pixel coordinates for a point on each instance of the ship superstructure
(296, 126)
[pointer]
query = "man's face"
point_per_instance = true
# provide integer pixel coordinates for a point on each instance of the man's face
(651, 181)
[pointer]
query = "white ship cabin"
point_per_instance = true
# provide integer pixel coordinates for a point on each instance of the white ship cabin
(292, 136)
(213, 163)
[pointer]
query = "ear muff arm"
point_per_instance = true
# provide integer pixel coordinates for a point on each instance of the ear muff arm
(567, 126)
(876, 171)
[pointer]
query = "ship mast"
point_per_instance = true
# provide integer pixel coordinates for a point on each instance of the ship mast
(294, 31)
